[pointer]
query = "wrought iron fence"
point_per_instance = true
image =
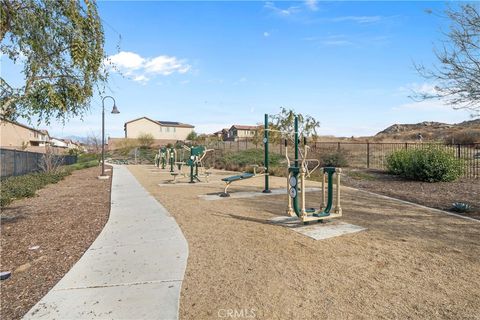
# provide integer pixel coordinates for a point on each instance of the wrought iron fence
(367, 154)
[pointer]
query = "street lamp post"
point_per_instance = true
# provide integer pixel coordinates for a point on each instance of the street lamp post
(114, 111)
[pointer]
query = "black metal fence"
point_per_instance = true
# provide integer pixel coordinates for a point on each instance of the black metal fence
(367, 154)
(17, 163)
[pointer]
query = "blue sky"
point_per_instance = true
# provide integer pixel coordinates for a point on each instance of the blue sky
(214, 64)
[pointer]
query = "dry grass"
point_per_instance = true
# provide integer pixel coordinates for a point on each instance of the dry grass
(410, 263)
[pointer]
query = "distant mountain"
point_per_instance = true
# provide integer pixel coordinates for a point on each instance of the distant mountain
(77, 138)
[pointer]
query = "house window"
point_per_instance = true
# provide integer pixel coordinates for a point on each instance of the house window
(168, 129)
(160, 129)
(174, 129)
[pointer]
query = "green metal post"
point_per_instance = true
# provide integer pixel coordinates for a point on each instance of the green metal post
(266, 160)
(191, 165)
(172, 157)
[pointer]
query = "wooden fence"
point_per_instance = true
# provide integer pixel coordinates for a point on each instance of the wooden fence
(366, 154)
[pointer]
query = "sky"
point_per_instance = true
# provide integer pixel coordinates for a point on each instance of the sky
(350, 65)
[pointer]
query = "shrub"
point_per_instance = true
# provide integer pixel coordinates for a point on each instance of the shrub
(334, 159)
(430, 165)
(145, 140)
(461, 207)
(26, 185)
(242, 159)
(464, 137)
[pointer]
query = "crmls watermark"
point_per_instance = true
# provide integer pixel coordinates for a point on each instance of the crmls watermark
(237, 313)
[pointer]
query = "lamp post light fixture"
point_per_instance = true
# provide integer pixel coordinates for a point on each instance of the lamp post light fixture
(114, 111)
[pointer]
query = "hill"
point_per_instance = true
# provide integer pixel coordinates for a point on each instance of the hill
(463, 132)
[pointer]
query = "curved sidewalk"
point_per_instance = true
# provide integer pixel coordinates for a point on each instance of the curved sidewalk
(133, 270)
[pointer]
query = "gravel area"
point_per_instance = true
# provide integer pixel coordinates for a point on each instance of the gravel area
(42, 237)
(439, 195)
(410, 263)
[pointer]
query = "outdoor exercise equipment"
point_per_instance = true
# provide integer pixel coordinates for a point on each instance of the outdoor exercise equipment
(195, 163)
(161, 157)
(297, 174)
(172, 157)
(247, 175)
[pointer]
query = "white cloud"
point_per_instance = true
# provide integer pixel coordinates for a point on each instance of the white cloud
(422, 88)
(127, 60)
(312, 4)
(166, 65)
(358, 19)
(281, 12)
(141, 78)
(266, 34)
(426, 105)
(141, 69)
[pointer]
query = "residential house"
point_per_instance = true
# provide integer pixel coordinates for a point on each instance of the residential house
(160, 130)
(237, 132)
(15, 135)
(59, 143)
(221, 134)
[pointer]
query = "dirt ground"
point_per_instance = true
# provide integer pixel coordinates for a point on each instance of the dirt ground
(440, 195)
(62, 220)
(411, 263)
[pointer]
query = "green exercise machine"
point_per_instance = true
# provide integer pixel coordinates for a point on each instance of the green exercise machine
(161, 158)
(195, 163)
(247, 175)
(298, 172)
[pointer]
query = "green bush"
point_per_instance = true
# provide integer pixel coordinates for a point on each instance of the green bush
(334, 159)
(83, 165)
(26, 185)
(430, 164)
(249, 157)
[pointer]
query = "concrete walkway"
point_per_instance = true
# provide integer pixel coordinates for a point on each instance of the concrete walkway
(133, 270)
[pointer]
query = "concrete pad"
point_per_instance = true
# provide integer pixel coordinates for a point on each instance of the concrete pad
(316, 230)
(169, 183)
(133, 270)
(249, 194)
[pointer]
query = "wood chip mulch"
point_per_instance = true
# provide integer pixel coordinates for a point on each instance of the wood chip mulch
(438, 195)
(42, 237)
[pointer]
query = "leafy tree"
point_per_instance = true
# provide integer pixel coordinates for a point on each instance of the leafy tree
(457, 74)
(284, 121)
(192, 136)
(60, 44)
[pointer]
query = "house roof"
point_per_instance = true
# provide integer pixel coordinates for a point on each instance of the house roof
(242, 127)
(164, 123)
(26, 127)
(221, 131)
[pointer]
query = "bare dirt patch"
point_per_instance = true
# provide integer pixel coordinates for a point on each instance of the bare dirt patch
(412, 262)
(439, 195)
(62, 220)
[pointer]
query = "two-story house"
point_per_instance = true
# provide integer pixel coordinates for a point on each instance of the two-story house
(241, 132)
(15, 135)
(160, 130)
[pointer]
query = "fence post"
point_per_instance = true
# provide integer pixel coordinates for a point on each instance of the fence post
(368, 155)
(238, 144)
(458, 151)
(406, 145)
(14, 162)
(338, 146)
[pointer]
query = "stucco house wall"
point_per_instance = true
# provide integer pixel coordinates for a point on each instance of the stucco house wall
(18, 136)
(159, 130)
